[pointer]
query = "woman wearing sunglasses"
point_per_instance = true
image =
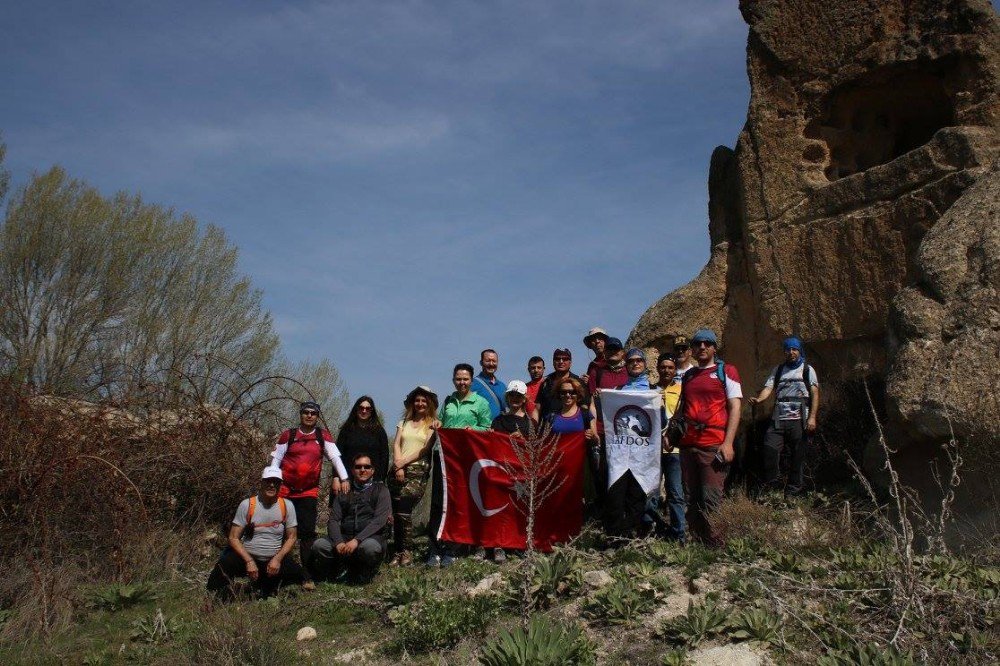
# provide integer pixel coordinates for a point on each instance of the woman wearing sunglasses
(363, 432)
(571, 417)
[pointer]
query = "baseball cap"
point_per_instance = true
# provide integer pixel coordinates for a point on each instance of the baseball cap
(309, 404)
(517, 386)
(681, 341)
(562, 352)
(613, 345)
(271, 473)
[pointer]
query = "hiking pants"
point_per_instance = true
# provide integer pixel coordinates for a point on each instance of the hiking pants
(781, 434)
(704, 481)
(671, 464)
(305, 516)
(624, 505)
(365, 559)
(405, 496)
(231, 566)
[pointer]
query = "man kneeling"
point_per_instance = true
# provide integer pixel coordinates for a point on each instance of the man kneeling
(355, 534)
(255, 546)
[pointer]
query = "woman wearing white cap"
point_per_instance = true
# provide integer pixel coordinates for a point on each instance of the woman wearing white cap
(515, 421)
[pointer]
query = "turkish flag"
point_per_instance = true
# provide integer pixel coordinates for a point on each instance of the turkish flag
(488, 478)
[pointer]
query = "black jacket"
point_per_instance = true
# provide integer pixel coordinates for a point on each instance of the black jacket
(373, 442)
(360, 514)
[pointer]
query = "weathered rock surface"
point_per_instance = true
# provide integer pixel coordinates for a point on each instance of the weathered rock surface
(726, 655)
(853, 187)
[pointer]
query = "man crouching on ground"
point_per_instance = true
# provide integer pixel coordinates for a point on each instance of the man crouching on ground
(260, 538)
(356, 532)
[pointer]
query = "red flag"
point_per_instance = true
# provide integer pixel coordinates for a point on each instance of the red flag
(488, 479)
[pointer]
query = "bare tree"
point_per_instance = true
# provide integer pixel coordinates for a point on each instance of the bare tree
(536, 474)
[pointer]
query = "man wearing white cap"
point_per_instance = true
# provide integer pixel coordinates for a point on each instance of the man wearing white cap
(595, 340)
(260, 538)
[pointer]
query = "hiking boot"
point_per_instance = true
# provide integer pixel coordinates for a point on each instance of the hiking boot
(405, 559)
(447, 560)
(499, 555)
(308, 586)
(480, 553)
(433, 560)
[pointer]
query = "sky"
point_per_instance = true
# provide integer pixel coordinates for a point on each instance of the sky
(407, 182)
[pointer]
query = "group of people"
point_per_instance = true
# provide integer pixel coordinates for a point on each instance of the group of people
(380, 485)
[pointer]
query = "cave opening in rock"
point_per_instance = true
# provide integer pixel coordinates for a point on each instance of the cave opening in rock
(878, 117)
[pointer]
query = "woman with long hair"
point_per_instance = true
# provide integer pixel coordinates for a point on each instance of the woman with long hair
(363, 432)
(411, 465)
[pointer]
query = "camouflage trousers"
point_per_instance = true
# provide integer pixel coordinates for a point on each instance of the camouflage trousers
(405, 495)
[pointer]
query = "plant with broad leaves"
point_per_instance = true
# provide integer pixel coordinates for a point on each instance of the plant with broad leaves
(544, 642)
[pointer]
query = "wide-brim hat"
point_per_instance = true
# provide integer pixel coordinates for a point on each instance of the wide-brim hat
(424, 391)
(595, 332)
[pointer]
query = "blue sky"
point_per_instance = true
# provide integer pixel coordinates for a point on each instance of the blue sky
(408, 182)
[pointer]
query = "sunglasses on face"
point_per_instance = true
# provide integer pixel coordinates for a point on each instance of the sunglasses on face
(636, 360)
(560, 359)
(363, 467)
(364, 408)
(703, 344)
(309, 412)
(567, 392)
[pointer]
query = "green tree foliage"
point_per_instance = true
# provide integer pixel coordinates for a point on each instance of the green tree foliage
(114, 298)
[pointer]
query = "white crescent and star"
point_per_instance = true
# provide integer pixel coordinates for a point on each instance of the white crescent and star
(477, 496)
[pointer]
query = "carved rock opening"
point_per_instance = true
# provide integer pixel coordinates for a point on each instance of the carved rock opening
(878, 117)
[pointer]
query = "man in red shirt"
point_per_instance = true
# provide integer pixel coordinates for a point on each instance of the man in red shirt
(536, 373)
(299, 454)
(711, 396)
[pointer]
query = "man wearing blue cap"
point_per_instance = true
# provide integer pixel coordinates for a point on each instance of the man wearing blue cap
(794, 419)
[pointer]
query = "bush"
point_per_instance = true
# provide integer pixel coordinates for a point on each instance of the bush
(620, 603)
(701, 621)
(553, 576)
(435, 624)
(544, 643)
(232, 640)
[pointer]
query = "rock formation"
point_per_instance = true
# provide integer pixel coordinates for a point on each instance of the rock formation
(858, 208)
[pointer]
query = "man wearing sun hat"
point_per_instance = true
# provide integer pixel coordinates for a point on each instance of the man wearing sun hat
(595, 340)
(260, 537)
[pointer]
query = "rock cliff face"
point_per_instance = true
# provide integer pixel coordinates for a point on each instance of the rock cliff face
(858, 209)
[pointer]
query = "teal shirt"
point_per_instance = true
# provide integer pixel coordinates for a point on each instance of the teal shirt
(472, 411)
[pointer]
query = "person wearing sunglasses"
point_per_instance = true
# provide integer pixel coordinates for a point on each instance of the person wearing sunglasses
(670, 384)
(682, 356)
(261, 536)
(355, 541)
(571, 416)
(363, 432)
(711, 398)
(548, 401)
(299, 455)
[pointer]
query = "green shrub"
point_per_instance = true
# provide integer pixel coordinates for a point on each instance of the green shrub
(435, 624)
(544, 643)
(870, 654)
(553, 576)
(756, 625)
(620, 603)
(117, 597)
(403, 591)
(701, 621)
(676, 657)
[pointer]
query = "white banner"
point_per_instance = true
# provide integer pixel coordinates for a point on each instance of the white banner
(632, 435)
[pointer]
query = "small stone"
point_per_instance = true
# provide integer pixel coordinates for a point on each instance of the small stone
(486, 585)
(598, 579)
(306, 634)
(700, 585)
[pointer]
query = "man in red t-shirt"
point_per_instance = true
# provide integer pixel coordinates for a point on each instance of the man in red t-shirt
(712, 395)
(536, 375)
(299, 455)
